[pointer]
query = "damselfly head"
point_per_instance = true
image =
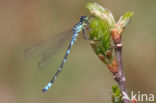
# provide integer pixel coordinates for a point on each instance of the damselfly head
(84, 18)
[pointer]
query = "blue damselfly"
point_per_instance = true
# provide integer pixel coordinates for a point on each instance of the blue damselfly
(55, 46)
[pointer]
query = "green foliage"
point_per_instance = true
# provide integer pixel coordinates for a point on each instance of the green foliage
(100, 26)
(123, 21)
(100, 33)
(116, 95)
(100, 37)
(105, 14)
(127, 15)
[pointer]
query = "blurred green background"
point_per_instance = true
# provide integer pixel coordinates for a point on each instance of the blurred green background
(85, 79)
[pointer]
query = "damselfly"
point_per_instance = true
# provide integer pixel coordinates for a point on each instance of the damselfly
(51, 50)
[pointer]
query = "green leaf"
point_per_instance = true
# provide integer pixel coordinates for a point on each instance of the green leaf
(100, 37)
(127, 15)
(105, 14)
(116, 95)
(123, 21)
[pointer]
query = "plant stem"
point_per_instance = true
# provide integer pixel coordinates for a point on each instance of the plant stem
(121, 77)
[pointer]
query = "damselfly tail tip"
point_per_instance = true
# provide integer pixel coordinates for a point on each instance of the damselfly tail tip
(47, 87)
(44, 90)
